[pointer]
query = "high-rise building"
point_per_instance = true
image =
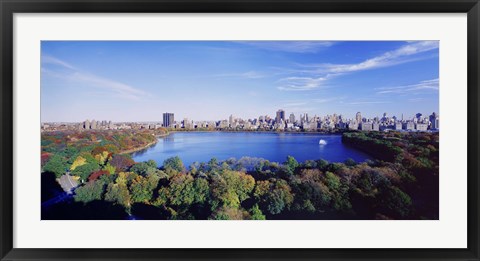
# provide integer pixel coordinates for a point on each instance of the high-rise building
(292, 118)
(434, 121)
(280, 116)
(358, 117)
(86, 125)
(418, 116)
(93, 125)
(168, 119)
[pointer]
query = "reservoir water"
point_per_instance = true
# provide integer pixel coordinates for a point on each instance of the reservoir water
(203, 146)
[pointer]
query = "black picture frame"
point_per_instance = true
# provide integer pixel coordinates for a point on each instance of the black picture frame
(10, 7)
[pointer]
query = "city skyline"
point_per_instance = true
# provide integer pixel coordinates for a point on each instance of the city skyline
(138, 81)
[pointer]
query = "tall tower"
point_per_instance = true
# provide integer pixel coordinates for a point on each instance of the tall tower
(280, 116)
(358, 117)
(168, 119)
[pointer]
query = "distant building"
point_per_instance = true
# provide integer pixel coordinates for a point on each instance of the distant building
(366, 126)
(93, 125)
(168, 119)
(410, 125)
(86, 124)
(397, 125)
(434, 121)
(292, 118)
(376, 126)
(280, 116)
(421, 126)
(358, 117)
(341, 125)
(353, 125)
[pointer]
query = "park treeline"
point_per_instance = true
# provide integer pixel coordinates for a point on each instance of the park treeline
(401, 183)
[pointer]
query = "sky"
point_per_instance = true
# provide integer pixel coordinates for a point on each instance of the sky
(211, 80)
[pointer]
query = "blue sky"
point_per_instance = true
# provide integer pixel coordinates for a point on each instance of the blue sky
(209, 80)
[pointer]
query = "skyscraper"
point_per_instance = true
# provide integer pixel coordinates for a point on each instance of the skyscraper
(433, 121)
(168, 119)
(280, 116)
(358, 117)
(86, 125)
(292, 118)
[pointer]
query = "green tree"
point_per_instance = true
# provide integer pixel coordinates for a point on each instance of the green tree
(118, 193)
(142, 188)
(230, 213)
(256, 213)
(202, 190)
(350, 162)
(274, 196)
(143, 168)
(395, 203)
(85, 170)
(174, 163)
(291, 164)
(180, 192)
(111, 169)
(91, 191)
(230, 188)
(57, 165)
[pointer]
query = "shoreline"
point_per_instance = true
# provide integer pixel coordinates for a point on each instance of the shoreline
(271, 132)
(130, 151)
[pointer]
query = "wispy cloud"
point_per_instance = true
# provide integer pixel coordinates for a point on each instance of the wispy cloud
(427, 85)
(313, 76)
(121, 89)
(46, 59)
(398, 56)
(290, 46)
(76, 75)
(301, 83)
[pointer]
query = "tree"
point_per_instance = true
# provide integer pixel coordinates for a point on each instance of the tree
(256, 213)
(230, 213)
(350, 162)
(96, 174)
(395, 203)
(144, 168)
(274, 196)
(202, 190)
(111, 169)
(85, 170)
(91, 191)
(230, 188)
(174, 163)
(181, 190)
(79, 161)
(45, 156)
(102, 157)
(118, 193)
(121, 162)
(142, 188)
(291, 164)
(57, 165)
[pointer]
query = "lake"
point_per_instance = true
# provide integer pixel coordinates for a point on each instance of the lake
(203, 146)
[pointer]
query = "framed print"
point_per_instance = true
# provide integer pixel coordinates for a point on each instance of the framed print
(239, 130)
